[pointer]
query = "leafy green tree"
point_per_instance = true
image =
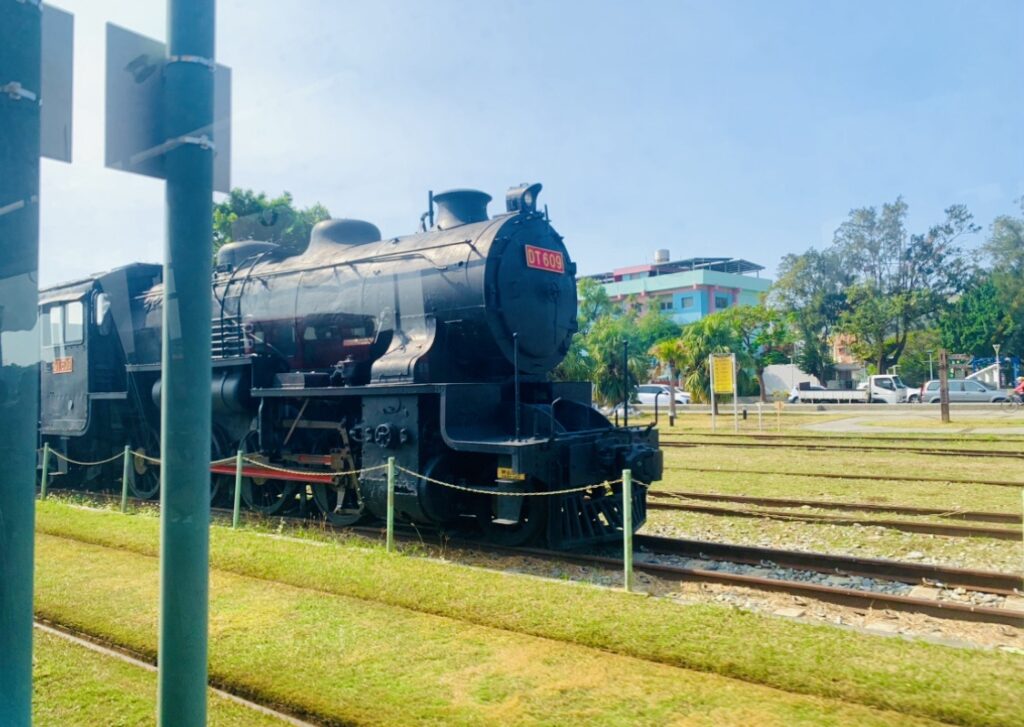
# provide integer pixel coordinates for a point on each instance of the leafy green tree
(596, 351)
(760, 336)
(247, 215)
(1005, 248)
(977, 320)
(876, 282)
(921, 356)
(811, 291)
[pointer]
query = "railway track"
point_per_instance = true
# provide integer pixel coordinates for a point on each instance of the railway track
(932, 528)
(987, 582)
(848, 476)
(1005, 454)
(853, 437)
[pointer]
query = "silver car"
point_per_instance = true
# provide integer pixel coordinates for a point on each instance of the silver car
(646, 393)
(962, 390)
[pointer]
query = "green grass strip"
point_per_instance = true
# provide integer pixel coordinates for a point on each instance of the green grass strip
(76, 687)
(342, 660)
(962, 686)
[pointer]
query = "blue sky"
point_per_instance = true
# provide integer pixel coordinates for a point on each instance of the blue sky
(745, 129)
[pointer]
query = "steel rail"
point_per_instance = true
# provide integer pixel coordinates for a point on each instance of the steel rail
(973, 515)
(908, 526)
(850, 437)
(847, 476)
(866, 448)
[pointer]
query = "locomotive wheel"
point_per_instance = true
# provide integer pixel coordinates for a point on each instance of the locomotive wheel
(340, 502)
(145, 480)
(532, 519)
(268, 497)
(219, 450)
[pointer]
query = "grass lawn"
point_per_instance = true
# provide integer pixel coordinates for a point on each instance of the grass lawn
(348, 660)
(77, 687)
(455, 642)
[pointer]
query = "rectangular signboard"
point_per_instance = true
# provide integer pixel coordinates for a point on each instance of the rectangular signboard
(135, 141)
(541, 259)
(55, 94)
(722, 368)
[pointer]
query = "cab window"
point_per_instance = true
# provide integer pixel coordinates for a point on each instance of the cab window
(63, 324)
(74, 322)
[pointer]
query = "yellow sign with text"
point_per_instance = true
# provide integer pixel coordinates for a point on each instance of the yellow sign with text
(722, 369)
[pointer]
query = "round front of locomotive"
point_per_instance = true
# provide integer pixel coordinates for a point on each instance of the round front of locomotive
(532, 312)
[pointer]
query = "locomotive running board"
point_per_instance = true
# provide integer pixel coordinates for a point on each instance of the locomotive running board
(271, 474)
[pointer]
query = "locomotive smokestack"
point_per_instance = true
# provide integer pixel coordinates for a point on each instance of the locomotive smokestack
(460, 207)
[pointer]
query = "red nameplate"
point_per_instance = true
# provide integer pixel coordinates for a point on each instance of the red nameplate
(541, 259)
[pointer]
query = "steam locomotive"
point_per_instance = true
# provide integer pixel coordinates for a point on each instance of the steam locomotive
(433, 348)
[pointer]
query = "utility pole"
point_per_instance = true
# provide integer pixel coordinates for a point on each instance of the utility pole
(185, 405)
(944, 385)
(20, 93)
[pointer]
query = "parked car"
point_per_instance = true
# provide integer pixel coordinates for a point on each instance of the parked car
(646, 393)
(961, 390)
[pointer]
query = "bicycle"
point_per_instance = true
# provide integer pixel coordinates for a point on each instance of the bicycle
(1014, 402)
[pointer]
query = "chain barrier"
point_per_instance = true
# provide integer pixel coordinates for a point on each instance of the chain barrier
(285, 470)
(477, 491)
(108, 460)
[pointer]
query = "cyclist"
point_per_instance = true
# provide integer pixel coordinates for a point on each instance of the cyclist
(1019, 390)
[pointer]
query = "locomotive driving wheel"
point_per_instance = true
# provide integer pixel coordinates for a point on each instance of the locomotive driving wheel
(340, 502)
(529, 526)
(267, 496)
(145, 480)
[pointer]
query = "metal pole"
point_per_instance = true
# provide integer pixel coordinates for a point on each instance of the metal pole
(625, 383)
(656, 408)
(125, 474)
(390, 540)
(44, 479)
(931, 371)
(185, 405)
(627, 528)
(944, 386)
(238, 487)
(672, 396)
(20, 71)
(711, 385)
(735, 397)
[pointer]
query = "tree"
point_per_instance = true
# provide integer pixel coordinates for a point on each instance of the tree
(811, 291)
(921, 356)
(759, 337)
(876, 282)
(596, 351)
(977, 320)
(1005, 248)
(246, 215)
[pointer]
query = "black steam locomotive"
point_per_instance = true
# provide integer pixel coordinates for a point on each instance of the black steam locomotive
(432, 348)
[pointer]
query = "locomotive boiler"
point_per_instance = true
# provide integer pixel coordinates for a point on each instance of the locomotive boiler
(432, 348)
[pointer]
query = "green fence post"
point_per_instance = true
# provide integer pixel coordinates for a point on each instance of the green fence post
(21, 67)
(390, 542)
(238, 488)
(44, 480)
(627, 528)
(125, 474)
(185, 412)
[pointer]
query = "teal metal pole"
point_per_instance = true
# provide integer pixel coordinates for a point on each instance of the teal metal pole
(238, 488)
(44, 477)
(390, 542)
(20, 75)
(627, 528)
(185, 405)
(125, 474)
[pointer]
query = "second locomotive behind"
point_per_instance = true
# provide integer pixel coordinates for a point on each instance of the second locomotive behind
(432, 348)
